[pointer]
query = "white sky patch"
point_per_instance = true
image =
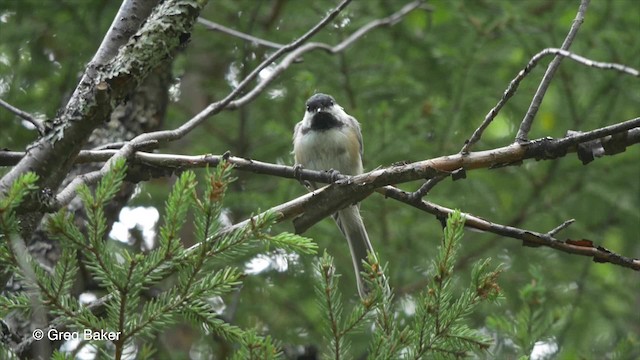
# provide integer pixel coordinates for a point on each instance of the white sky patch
(277, 260)
(233, 75)
(266, 72)
(4, 59)
(225, 219)
(87, 297)
(258, 264)
(175, 90)
(145, 218)
(87, 352)
(544, 349)
(217, 304)
(276, 93)
(4, 84)
(342, 23)
(408, 305)
(5, 15)
(28, 125)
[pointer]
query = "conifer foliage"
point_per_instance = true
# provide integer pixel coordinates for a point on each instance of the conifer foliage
(147, 292)
(183, 280)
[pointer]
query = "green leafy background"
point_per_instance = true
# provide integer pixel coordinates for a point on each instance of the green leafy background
(419, 89)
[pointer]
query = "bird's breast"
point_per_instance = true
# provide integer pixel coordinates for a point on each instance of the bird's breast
(336, 148)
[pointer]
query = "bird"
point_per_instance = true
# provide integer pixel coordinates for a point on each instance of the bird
(329, 139)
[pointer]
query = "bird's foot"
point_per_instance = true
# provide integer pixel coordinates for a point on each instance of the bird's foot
(297, 174)
(335, 175)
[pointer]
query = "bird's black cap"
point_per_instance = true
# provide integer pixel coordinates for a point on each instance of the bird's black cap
(320, 101)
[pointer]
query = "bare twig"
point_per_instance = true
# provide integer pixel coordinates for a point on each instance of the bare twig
(561, 227)
(216, 107)
(52, 155)
(388, 21)
(587, 62)
(295, 55)
(210, 25)
(575, 139)
(39, 125)
(428, 185)
(120, 144)
(529, 238)
(299, 205)
(228, 103)
(513, 85)
(525, 126)
(68, 193)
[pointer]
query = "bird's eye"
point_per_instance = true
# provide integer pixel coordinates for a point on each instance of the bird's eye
(308, 108)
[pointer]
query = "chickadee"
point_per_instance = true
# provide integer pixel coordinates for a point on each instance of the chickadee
(328, 138)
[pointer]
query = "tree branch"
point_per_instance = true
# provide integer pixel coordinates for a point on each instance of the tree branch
(131, 14)
(525, 126)
(300, 205)
(210, 25)
(513, 85)
(52, 156)
(528, 238)
(297, 54)
(351, 191)
(39, 125)
(68, 193)
(214, 108)
(610, 140)
(428, 185)
(561, 227)
(299, 208)
(296, 48)
(511, 155)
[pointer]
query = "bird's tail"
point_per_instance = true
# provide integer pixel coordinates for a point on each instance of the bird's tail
(350, 223)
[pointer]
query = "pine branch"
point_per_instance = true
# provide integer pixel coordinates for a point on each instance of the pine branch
(197, 273)
(439, 325)
(330, 301)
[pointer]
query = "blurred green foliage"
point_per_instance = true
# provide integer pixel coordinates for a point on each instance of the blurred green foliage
(419, 89)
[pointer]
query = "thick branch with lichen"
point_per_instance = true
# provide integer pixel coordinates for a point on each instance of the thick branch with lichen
(167, 29)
